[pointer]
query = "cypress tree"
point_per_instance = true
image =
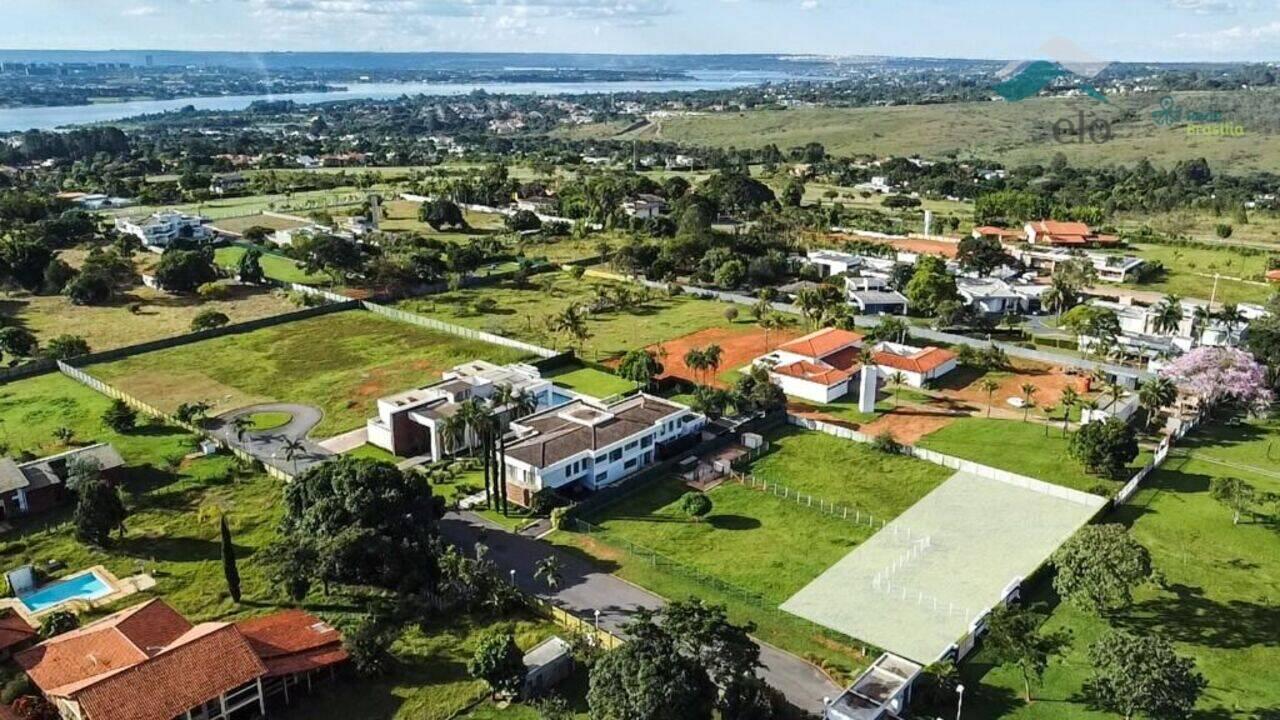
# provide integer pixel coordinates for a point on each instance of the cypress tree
(229, 562)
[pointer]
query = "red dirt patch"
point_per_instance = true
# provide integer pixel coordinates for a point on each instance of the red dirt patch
(739, 345)
(915, 245)
(1049, 381)
(909, 424)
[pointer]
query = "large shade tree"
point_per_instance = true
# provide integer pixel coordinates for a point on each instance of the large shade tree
(1220, 375)
(367, 522)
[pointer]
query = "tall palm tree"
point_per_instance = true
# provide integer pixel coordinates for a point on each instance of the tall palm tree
(1070, 398)
(1168, 314)
(1060, 297)
(241, 424)
(696, 360)
(1156, 394)
(453, 433)
(713, 356)
(1231, 316)
(292, 449)
(1199, 322)
(1028, 392)
(989, 386)
(898, 379)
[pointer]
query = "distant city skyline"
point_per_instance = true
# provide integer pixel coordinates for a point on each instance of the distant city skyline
(1120, 30)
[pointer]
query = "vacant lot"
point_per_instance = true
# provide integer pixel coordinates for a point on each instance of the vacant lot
(1217, 603)
(740, 343)
(340, 363)
(238, 225)
(158, 314)
(1027, 448)
(1190, 273)
(274, 266)
(596, 383)
(524, 312)
(845, 472)
(1014, 133)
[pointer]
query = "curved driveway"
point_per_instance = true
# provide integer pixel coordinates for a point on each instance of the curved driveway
(268, 445)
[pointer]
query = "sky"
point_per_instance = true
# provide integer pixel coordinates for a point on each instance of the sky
(1135, 30)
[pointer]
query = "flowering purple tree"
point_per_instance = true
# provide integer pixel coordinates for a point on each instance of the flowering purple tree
(1216, 375)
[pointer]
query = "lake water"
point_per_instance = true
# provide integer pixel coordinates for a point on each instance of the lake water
(48, 118)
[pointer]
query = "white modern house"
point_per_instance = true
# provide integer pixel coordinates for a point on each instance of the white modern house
(585, 445)
(1111, 267)
(835, 262)
(161, 229)
(918, 366)
(990, 296)
(819, 367)
(412, 422)
(645, 206)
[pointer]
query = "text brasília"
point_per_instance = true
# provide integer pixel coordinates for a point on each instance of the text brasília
(1199, 122)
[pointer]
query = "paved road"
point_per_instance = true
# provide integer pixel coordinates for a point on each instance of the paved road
(268, 445)
(586, 588)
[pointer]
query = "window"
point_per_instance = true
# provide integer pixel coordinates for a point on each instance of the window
(632, 445)
(629, 464)
(646, 441)
(615, 455)
(602, 478)
(600, 458)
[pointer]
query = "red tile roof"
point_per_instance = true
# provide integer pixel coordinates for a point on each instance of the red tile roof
(819, 344)
(988, 230)
(1055, 227)
(13, 629)
(148, 663)
(212, 659)
(811, 372)
(293, 641)
(925, 361)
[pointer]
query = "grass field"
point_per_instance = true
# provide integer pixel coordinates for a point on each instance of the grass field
(110, 326)
(239, 224)
(1014, 133)
(1218, 603)
(596, 383)
(276, 267)
(1019, 447)
(402, 215)
(172, 533)
(522, 313)
(846, 472)
(299, 203)
(1191, 273)
(340, 363)
(765, 546)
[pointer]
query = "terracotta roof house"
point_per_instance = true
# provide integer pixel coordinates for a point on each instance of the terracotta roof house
(1066, 234)
(40, 485)
(818, 367)
(917, 365)
(148, 662)
(15, 633)
(585, 445)
(999, 233)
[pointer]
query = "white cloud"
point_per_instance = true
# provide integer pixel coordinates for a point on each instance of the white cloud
(1236, 38)
(140, 11)
(1212, 7)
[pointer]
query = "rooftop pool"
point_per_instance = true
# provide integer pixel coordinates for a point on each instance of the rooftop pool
(87, 585)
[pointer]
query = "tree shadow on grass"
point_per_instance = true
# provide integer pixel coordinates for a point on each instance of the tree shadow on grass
(733, 522)
(168, 549)
(1185, 615)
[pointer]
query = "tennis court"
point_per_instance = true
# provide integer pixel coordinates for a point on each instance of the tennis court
(916, 586)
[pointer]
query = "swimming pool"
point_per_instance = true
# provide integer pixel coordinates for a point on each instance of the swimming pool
(87, 585)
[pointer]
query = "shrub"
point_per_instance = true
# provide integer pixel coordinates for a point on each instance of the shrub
(577, 271)
(695, 504)
(886, 443)
(212, 291)
(17, 686)
(560, 518)
(58, 622)
(498, 661)
(120, 417)
(731, 314)
(209, 320)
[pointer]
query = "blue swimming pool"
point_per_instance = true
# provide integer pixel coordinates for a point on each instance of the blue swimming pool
(556, 398)
(85, 586)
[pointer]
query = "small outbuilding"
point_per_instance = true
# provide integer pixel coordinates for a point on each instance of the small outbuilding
(547, 665)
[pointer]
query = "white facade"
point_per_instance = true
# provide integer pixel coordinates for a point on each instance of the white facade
(918, 365)
(162, 229)
(594, 465)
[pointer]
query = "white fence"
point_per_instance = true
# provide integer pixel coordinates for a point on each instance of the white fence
(426, 322)
(1162, 451)
(954, 463)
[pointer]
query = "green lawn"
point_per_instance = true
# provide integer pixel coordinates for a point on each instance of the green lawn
(846, 472)
(431, 681)
(1220, 596)
(341, 363)
(369, 451)
(764, 548)
(172, 533)
(274, 266)
(590, 381)
(268, 420)
(522, 313)
(1019, 447)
